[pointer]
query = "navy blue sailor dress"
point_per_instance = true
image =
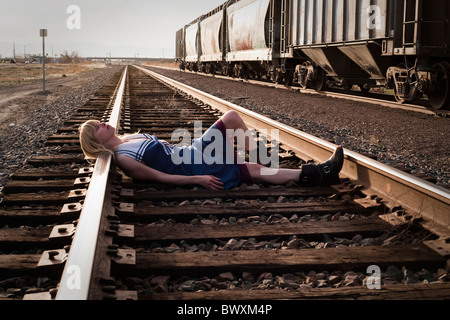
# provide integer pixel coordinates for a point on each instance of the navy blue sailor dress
(188, 160)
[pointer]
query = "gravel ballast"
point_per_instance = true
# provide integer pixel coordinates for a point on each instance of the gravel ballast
(29, 117)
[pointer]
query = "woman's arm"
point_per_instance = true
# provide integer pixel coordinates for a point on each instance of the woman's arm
(140, 171)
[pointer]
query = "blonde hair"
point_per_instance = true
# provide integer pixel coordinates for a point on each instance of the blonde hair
(89, 145)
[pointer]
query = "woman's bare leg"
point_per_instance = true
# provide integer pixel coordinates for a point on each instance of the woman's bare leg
(262, 174)
(233, 121)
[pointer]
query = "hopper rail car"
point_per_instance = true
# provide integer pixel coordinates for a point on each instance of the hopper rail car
(400, 45)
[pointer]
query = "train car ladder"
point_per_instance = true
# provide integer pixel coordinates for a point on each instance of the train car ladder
(284, 21)
(271, 24)
(422, 31)
(411, 10)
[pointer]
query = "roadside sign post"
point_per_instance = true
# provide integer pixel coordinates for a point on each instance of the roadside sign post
(43, 34)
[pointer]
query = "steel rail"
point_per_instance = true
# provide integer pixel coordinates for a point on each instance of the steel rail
(329, 93)
(75, 281)
(417, 196)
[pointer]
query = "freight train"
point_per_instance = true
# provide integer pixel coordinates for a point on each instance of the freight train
(401, 45)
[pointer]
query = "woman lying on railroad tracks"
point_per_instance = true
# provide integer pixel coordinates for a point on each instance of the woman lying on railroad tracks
(144, 157)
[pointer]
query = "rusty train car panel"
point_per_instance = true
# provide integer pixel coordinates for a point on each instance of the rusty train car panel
(210, 29)
(247, 30)
(192, 43)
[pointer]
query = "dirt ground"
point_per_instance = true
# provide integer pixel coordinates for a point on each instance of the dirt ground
(21, 73)
(21, 87)
(28, 116)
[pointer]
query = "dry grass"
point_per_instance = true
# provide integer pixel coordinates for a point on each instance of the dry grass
(16, 74)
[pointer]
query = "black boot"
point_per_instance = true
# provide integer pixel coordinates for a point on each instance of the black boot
(326, 173)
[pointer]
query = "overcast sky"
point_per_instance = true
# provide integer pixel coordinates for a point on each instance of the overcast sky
(144, 28)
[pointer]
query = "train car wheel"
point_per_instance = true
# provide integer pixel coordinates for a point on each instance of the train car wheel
(440, 97)
(347, 86)
(364, 88)
(275, 76)
(320, 81)
(288, 78)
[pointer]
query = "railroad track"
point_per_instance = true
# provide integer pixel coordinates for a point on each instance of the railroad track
(379, 99)
(114, 238)
(48, 191)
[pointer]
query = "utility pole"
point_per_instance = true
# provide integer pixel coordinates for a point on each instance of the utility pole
(43, 33)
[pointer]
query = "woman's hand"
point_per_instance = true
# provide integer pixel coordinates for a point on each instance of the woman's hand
(140, 171)
(210, 182)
